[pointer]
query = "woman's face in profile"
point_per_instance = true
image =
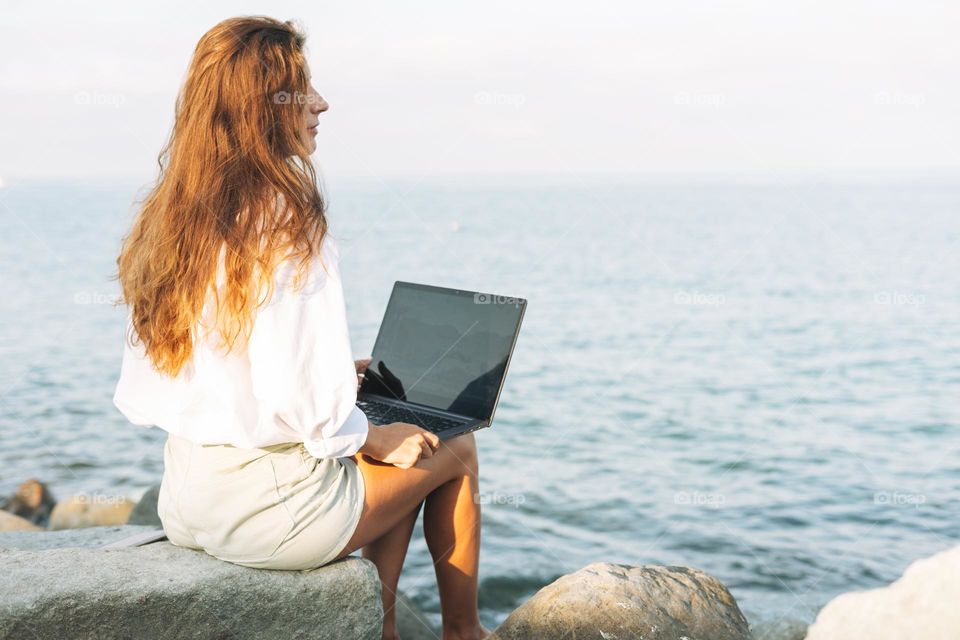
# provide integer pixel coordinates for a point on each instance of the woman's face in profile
(313, 106)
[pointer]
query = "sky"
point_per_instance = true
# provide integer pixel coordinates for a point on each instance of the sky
(429, 88)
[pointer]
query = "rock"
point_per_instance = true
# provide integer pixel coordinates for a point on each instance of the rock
(163, 591)
(88, 538)
(32, 501)
(606, 601)
(787, 629)
(90, 511)
(920, 605)
(412, 622)
(10, 522)
(146, 510)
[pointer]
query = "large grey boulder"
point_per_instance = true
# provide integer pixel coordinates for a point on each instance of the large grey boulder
(87, 538)
(606, 601)
(920, 605)
(163, 591)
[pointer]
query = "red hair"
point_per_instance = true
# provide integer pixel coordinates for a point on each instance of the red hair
(235, 181)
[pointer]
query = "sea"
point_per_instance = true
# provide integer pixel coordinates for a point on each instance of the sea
(757, 378)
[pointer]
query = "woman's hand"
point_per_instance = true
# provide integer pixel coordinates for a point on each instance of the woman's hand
(400, 444)
(361, 366)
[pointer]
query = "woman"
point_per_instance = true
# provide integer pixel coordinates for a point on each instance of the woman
(238, 346)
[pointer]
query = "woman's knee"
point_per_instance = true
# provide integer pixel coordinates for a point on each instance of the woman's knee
(463, 450)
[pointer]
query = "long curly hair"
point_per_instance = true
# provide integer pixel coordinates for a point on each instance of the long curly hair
(236, 193)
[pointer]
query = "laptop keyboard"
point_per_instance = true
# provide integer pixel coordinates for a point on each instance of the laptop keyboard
(383, 413)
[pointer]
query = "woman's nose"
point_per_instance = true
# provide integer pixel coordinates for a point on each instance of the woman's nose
(319, 105)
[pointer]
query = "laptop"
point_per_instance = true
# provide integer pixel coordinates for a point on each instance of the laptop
(440, 358)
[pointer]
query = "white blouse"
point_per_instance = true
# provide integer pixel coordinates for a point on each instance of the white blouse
(293, 381)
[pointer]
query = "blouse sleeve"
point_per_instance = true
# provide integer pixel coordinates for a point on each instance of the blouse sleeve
(302, 370)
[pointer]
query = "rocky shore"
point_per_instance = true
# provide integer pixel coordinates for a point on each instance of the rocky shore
(77, 569)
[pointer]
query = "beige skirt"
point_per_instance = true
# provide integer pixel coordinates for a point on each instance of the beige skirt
(271, 508)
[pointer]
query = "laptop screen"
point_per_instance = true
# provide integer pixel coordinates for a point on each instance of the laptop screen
(444, 348)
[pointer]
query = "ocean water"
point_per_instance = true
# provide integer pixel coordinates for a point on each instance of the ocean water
(760, 381)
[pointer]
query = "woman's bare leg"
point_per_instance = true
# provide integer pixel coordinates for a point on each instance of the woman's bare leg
(451, 525)
(392, 495)
(388, 552)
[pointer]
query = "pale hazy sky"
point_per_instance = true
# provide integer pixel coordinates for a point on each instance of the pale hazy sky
(542, 87)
